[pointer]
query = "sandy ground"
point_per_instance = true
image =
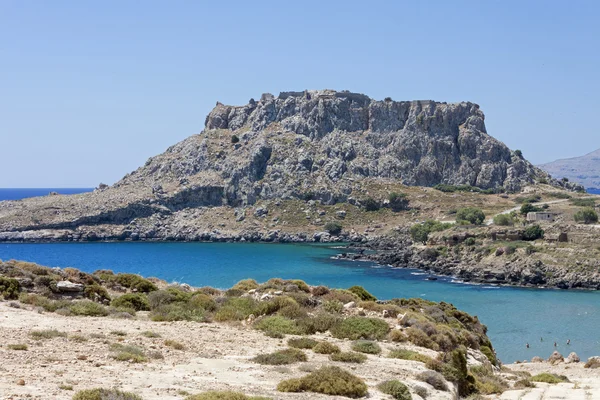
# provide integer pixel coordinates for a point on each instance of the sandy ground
(584, 385)
(216, 357)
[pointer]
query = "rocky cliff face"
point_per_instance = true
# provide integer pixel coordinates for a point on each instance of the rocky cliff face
(323, 145)
(318, 143)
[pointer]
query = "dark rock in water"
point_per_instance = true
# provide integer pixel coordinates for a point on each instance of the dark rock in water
(432, 278)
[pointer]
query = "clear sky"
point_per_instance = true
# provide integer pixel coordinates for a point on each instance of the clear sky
(90, 89)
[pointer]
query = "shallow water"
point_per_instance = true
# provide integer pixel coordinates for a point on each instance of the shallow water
(514, 316)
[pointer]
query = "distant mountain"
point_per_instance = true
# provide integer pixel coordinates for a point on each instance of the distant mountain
(584, 169)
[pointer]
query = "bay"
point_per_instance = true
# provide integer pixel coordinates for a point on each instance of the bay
(514, 316)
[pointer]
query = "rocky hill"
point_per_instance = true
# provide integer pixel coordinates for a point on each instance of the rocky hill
(584, 170)
(321, 145)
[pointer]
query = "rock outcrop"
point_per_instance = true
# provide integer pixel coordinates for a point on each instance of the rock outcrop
(324, 145)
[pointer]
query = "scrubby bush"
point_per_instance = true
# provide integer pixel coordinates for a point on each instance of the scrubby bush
(87, 308)
(326, 348)
(321, 322)
(360, 328)
(128, 353)
(236, 309)
(277, 324)
(224, 395)
(47, 334)
(533, 232)
(489, 354)
(105, 394)
(419, 338)
(334, 228)
(341, 295)
(528, 207)
(135, 282)
(586, 216)
(349, 357)
(329, 380)
(366, 346)
(333, 306)
(370, 204)
(96, 292)
(396, 389)
(583, 202)
(487, 382)
(281, 357)
(503, 220)
(9, 288)
(396, 335)
(320, 290)
(411, 355)
(420, 232)
(302, 343)
(398, 201)
(547, 377)
(234, 139)
(178, 312)
(471, 215)
(433, 378)
(18, 347)
(136, 301)
(362, 293)
(245, 285)
(174, 344)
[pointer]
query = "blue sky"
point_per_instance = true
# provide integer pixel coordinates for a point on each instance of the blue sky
(90, 90)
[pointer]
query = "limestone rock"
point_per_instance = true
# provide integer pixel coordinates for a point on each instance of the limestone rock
(67, 286)
(556, 358)
(572, 358)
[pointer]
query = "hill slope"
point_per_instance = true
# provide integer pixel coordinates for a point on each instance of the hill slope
(584, 170)
(322, 145)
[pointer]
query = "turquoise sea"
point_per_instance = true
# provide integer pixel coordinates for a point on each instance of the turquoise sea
(514, 316)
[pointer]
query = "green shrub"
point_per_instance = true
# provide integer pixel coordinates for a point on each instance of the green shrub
(46, 334)
(398, 201)
(136, 301)
(234, 139)
(9, 288)
(396, 389)
(133, 281)
(281, 357)
(236, 309)
(96, 292)
(420, 232)
(404, 354)
(330, 380)
(334, 228)
(362, 293)
(587, 216)
(547, 377)
(349, 357)
(151, 334)
(302, 343)
(105, 394)
(360, 328)
(503, 220)
(470, 214)
(19, 347)
(201, 300)
(224, 395)
(583, 202)
(128, 353)
(433, 378)
(420, 338)
(178, 312)
(528, 207)
(370, 204)
(470, 241)
(341, 295)
(326, 348)
(333, 306)
(489, 354)
(366, 346)
(321, 322)
(88, 308)
(246, 285)
(533, 232)
(277, 324)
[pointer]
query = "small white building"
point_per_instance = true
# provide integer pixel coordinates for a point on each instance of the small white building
(541, 216)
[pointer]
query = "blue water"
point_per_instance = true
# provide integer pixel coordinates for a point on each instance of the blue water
(18, 194)
(514, 316)
(593, 191)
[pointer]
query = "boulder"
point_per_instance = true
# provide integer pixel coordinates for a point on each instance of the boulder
(572, 358)
(537, 359)
(556, 358)
(349, 305)
(67, 286)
